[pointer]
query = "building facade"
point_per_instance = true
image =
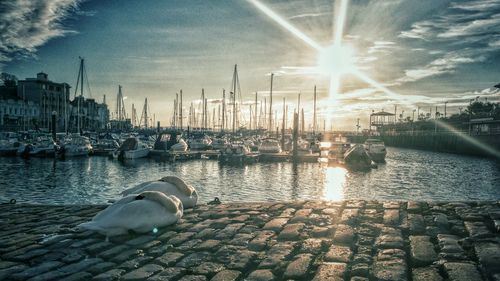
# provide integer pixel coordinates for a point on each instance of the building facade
(16, 114)
(88, 115)
(49, 96)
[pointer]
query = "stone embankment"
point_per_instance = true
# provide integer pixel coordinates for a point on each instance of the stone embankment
(313, 240)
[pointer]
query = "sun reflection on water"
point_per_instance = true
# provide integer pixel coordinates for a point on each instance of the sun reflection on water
(335, 182)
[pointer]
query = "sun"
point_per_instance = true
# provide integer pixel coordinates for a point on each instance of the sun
(336, 60)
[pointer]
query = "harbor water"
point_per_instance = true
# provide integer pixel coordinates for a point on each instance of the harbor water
(406, 175)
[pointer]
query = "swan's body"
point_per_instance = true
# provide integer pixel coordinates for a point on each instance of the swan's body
(137, 212)
(170, 185)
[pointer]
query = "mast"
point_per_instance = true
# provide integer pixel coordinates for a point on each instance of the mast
(298, 110)
(223, 109)
(134, 117)
(255, 117)
(181, 110)
(271, 105)
(265, 114)
(79, 80)
(213, 119)
(218, 117)
(203, 107)
(234, 95)
(314, 113)
(302, 124)
(206, 115)
(283, 124)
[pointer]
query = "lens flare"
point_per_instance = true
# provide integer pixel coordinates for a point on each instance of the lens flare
(281, 21)
(336, 59)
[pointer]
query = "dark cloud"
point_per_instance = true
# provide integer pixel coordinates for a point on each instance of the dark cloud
(27, 25)
(467, 32)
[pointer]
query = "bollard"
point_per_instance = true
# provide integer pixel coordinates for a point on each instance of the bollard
(53, 125)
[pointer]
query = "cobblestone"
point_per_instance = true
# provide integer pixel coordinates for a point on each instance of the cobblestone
(313, 240)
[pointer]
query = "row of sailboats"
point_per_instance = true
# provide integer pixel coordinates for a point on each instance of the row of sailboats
(231, 113)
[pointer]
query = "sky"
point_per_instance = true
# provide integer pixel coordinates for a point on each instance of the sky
(420, 53)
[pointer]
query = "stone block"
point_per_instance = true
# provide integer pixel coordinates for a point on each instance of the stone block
(426, 274)
(462, 272)
(333, 271)
(298, 268)
(422, 251)
(338, 254)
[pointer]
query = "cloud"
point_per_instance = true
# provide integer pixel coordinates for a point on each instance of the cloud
(465, 33)
(27, 25)
(446, 64)
(308, 15)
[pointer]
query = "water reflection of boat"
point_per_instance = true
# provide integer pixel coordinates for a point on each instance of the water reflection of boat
(131, 148)
(375, 149)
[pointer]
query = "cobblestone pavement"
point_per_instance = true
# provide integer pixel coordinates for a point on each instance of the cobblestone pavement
(351, 240)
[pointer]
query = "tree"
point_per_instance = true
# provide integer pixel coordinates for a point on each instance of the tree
(8, 80)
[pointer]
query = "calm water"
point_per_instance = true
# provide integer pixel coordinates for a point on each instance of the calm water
(407, 175)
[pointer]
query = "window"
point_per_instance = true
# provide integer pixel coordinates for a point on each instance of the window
(51, 88)
(58, 89)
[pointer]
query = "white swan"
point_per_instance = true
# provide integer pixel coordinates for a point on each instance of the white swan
(170, 185)
(141, 213)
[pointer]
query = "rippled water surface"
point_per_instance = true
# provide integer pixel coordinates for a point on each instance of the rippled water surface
(407, 175)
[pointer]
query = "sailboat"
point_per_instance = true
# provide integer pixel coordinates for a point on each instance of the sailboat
(74, 145)
(131, 148)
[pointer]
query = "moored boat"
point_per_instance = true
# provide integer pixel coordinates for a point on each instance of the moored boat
(238, 153)
(74, 145)
(375, 149)
(357, 158)
(199, 142)
(131, 148)
(270, 145)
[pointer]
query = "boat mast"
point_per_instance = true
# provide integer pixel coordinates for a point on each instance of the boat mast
(265, 114)
(180, 111)
(271, 105)
(298, 108)
(223, 109)
(314, 114)
(255, 113)
(234, 96)
(283, 124)
(206, 114)
(79, 80)
(203, 107)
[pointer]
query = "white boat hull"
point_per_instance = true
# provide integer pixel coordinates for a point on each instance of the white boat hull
(138, 153)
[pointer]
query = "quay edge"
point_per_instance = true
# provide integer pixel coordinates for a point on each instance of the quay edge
(308, 240)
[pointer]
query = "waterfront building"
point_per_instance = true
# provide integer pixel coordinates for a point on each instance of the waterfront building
(381, 119)
(49, 96)
(16, 114)
(88, 115)
(120, 125)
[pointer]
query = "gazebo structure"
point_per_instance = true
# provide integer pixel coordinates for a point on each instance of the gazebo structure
(382, 118)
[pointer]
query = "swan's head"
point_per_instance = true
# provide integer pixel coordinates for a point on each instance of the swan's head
(171, 203)
(180, 184)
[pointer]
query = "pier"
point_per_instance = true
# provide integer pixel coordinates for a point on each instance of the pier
(307, 240)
